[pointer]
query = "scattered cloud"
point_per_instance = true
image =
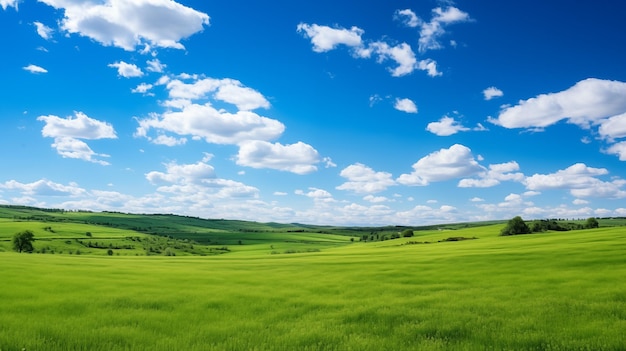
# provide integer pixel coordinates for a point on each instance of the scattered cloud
(618, 149)
(126, 70)
(432, 31)
(299, 158)
(445, 127)
(588, 102)
(405, 105)
(492, 92)
(227, 90)
(130, 23)
(613, 127)
(325, 38)
(35, 69)
(67, 132)
(143, 88)
(445, 164)
(212, 125)
(155, 66)
(581, 181)
(43, 187)
(319, 195)
(43, 30)
(494, 175)
(363, 179)
(9, 3)
(408, 17)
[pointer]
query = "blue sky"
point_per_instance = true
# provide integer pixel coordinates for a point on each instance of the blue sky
(325, 112)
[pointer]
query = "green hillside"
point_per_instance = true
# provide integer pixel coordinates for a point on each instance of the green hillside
(548, 291)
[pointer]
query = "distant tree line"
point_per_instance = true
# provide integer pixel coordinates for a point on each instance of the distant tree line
(517, 226)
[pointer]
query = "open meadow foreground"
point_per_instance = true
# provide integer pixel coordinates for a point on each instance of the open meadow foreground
(555, 290)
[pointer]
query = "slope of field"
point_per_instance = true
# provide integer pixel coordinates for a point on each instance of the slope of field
(550, 291)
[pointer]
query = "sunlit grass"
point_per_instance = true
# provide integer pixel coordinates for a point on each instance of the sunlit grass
(552, 291)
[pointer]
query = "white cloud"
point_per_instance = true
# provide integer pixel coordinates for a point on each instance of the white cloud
(43, 30)
(316, 194)
(589, 101)
(155, 66)
(227, 90)
(214, 126)
(126, 70)
(325, 38)
(430, 66)
(494, 175)
(402, 54)
(363, 179)
(131, 23)
(43, 187)
(477, 199)
(80, 126)
(143, 88)
(69, 147)
(299, 158)
(492, 92)
(8, 3)
(454, 162)
(375, 199)
(580, 180)
(613, 127)
(580, 202)
(618, 149)
(67, 132)
(408, 17)
(35, 69)
(197, 184)
(431, 32)
(445, 127)
(405, 105)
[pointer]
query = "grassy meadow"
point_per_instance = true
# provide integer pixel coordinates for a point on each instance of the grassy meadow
(549, 291)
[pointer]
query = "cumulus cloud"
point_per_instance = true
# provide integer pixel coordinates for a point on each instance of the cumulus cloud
(402, 54)
(35, 69)
(79, 126)
(299, 158)
(126, 70)
(8, 3)
(492, 92)
(143, 88)
(67, 132)
(408, 17)
(445, 127)
(613, 127)
(197, 183)
(227, 90)
(432, 31)
(618, 149)
(43, 30)
(326, 38)
(581, 181)
(318, 195)
(155, 66)
(43, 187)
(405, 105)
(445, 164)
(588, 101)
(494, 175)
(363, 179)
(212, 125)
(130, 23)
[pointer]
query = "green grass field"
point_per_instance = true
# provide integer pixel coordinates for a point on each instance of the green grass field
(549, 291)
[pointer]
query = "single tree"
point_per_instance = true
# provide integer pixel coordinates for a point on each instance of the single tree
(23, 241)
(407, 233)
(592, 223)
(515, 226)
